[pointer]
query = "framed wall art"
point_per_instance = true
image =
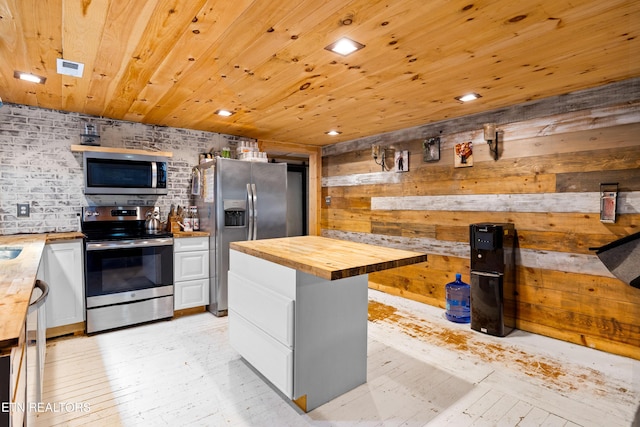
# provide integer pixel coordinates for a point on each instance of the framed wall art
(463, 155)
(401, 161)
(431, 147)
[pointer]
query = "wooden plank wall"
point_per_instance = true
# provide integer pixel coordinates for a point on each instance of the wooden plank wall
(546, 181)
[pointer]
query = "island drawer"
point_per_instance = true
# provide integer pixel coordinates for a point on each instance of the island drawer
(272, 276)
(268, 356)
(270, 311)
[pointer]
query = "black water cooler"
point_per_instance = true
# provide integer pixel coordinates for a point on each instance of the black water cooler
(493, 308)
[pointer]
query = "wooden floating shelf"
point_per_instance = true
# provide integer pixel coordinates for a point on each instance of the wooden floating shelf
(82, 148)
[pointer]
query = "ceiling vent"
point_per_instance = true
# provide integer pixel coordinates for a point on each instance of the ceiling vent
(70, 68)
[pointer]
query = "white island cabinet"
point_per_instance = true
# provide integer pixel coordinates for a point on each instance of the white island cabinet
(190, 272)
(298, 311)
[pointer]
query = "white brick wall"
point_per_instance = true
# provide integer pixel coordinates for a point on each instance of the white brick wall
(37, 166)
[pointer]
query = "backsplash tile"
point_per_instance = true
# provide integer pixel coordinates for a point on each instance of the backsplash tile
(37, 166)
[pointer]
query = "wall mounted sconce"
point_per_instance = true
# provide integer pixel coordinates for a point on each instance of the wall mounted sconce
(491, 136)
(378, 152)
(608, 196)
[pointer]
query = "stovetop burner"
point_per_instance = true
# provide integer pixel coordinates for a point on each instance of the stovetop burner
(108, 223)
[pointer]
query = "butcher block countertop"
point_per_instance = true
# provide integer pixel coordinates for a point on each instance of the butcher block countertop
(330, 259)
(17, 277)
(181, 234)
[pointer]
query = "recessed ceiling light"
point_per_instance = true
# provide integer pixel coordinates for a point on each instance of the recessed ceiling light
(333, 132)
(224, 113)
(468, 97)
(29, 77)
(344, 46)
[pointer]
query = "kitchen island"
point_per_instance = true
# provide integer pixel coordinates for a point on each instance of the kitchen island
(298, 311)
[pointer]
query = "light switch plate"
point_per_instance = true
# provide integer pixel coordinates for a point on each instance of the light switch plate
(23, 209)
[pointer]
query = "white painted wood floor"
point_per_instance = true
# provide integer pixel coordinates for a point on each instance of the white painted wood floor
(422, 371)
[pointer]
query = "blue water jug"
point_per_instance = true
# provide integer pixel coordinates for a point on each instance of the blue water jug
(458, 295)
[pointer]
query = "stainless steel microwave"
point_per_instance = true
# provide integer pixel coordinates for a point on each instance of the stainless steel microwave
(116, 173)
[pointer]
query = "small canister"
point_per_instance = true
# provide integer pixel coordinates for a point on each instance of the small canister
(187, 222)
(195, 218)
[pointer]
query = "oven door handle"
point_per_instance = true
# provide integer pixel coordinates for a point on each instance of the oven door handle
(124, 244)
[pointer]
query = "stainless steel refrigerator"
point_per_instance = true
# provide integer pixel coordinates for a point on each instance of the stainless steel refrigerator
(238, 201)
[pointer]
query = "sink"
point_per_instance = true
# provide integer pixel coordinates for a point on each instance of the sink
(9, 252)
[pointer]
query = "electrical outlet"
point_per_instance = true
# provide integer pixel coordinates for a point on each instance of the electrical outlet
(23, 209)
(327, 200)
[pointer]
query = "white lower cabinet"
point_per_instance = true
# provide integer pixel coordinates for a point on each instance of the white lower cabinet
(266, 354)
(62, 268)
(261, 321)
(13, 384)
(190, 272)
(262, 306)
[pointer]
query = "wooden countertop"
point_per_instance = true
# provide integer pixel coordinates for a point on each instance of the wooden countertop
(179, 234)
(55, 237)
(329, 259)
(17, 277)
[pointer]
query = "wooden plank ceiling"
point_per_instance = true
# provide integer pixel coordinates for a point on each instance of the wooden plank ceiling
(174, 63)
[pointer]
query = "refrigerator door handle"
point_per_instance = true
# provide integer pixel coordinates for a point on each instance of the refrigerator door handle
(250, 200)
(254, 192)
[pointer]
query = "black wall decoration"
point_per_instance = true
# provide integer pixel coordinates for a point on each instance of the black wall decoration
(431, 146)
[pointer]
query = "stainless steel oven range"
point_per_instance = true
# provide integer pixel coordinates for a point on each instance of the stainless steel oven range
(128, 270)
